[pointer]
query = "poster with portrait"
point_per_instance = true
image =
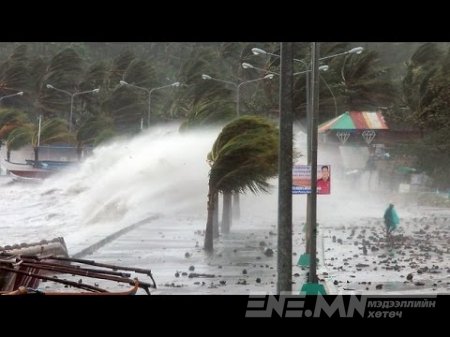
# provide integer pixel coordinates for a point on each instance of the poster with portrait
(301, 179)
(323, 179)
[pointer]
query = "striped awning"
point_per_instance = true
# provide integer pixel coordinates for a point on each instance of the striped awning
(355, 120)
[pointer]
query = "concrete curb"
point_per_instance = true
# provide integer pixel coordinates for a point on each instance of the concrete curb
(92, 248)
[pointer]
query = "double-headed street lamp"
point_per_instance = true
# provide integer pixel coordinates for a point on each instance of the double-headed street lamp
(150, 91)
(312, 114)
(246, 65)
(238, 86)
(20, 93)
(72, 96)
(308, 73)
(357, 50)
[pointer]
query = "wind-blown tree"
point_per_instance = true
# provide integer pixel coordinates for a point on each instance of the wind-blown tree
(95, 130)
(52, 131)
(418, 91)
(212, 101)
(97, 76)
(13, 72)
(119, 67)
(14, 77)
(127, 105)
(209, 113)
(352, 82)
(212, 113)
(11, 119)
(197, 94)
(433, 156)
(37, 68)
(427, 94)
(243, 157)
(64, 72)
(55, 130)
(90, 119)
(221, 61)
(358, 82)
(124, 108)
(142, 74)
(267, 98)
(109, 104)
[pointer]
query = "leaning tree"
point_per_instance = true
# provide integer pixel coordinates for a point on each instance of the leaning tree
(243, 157)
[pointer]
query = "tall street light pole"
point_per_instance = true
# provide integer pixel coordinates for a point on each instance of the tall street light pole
(308, 127)
(267, 77)
(284, 283)
(72, 96)
(284, 256)
(312, 278)
(237, 86)
(149, 92)
(357, 50)
(20, 93)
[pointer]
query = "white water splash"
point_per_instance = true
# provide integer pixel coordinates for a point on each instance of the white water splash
(157, 171)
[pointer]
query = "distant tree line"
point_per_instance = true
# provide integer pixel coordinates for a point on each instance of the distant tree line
(413, 91)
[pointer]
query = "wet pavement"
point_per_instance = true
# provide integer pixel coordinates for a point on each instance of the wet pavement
(354, 256)
(360, 259)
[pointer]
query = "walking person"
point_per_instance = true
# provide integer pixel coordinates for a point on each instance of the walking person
(391, 219)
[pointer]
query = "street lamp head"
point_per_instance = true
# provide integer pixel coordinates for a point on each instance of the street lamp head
(247, 65)
(269, 76)
(123, 83)
(357, 50)
(257, 51)
(49, 86)
(324, 67)
(95, 91)
(20, 93)
(176, 84)
(206, 77)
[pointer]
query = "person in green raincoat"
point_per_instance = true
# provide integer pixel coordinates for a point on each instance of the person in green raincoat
(391, 219)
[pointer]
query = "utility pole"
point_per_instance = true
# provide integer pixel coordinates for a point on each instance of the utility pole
(314, 122)
(308, 155)
(284, 256)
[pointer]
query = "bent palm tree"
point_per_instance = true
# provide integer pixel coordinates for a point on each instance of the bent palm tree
(11, 119)
(95, 130)
(244, 156)
(52, 130)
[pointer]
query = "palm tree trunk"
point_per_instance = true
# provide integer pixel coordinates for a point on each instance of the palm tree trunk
(36, 155)
(79, 151)
(226, 213)
(216, 216)
(209, 244)
(236, 206)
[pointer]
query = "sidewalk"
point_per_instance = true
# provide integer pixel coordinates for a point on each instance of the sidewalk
(353, 256)
(243, 262)
(358, 260)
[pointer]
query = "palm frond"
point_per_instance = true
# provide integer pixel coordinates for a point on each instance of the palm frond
(244, 156)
